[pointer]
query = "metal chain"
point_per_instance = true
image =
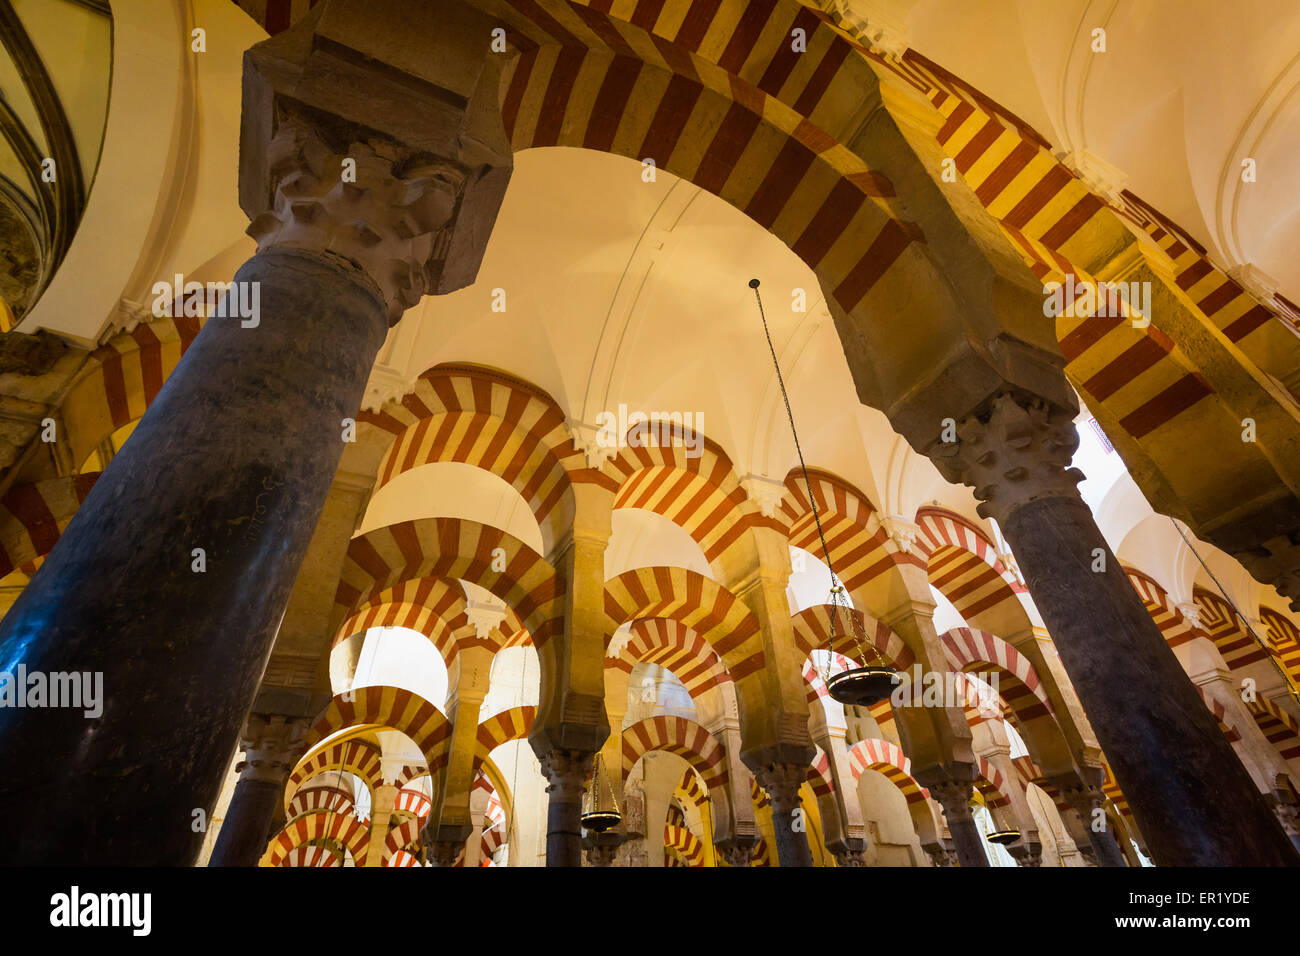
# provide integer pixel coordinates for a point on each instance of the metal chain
(837, 589)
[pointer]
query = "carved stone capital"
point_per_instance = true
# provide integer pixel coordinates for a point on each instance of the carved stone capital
(848, 851)
(781, 781)
(567, 772)
(737, 850)
(444, 852)
(954, 797)
(1083, 800)
(371, 136)
(271, 745)
(1016, 452)
(940, 855)
(1027, 854)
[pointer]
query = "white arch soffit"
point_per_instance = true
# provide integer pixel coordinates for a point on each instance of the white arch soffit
(164, 202)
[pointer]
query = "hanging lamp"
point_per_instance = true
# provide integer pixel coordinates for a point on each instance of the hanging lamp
(1000, 837)
(595, 818)
(855, 686)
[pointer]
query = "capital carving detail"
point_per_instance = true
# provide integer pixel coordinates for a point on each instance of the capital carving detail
(567, 772)
(781, 781)
(375, 205)
(271, 745)
(954, 797)
(1017, 452)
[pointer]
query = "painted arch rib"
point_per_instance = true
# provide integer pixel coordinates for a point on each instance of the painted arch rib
(964, 566)
(888, 759)
(675, 647)
(686, 739)
(357, 757)
(812, 631)
(386, 708)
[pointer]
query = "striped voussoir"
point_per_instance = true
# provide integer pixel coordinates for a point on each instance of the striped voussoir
(508, 725)
(676, 648)
(1220, 716)
(401, 859)
(888, 759)
(326, 799)
(819, 774)
(686, 739)
(1110, 787)
(310, 856)
(409, 773)
(331, 829)
(357, 757)
(763, 855)
(414, 803)
(434, 607)
(1278, 726)
(713, 93)
(121, 379)
(679, 840)
(812, 631)
(816, 687)
(1173, 625)
(991, 784)
(701, 495)
(689, 598)
(676, 815)
(491, 841)
(1029, 772)
(451, 548)
(758, 795)
(690, 790)
(1220, 620)
(381, 707)
(400, 838)
(860, 547)
(1284, 641)
(969, 649)
(480, 417)
(1056, 222)
(964, 566)
(33, 516)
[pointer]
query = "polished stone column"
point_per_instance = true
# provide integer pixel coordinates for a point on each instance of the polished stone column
(1085, 801)
(271, 747)
(954, 797)
(1195, 802)
(567, 772)
(170, 582)
(781, 782)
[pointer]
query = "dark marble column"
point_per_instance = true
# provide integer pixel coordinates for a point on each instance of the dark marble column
(234, 457)
(781, 782)
(954, 797)
(271, 746)
(169, 584)
(1195, 802)
(567, 771)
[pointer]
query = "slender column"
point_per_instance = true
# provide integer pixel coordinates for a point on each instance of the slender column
(954, 797)
(167, 587)
(567, 771)
(781, 781)
(1157, 733)
(1085, 801)
(381, 814)
(271, 746)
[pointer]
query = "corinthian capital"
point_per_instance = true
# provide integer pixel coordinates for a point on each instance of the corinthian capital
(1017, 451)
(371, 135)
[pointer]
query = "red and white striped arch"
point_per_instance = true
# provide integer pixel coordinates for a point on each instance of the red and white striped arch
(703, 605)
(1225, 627)
(331, 829)
(451, 548)
(700, 494)
(1175, 628)
(481, 417)
(860, 547)
(1283, 637)
(963, 566)
(886, 758)
(501, 728)
(324, 799)
(385, 708)
(812, 632)
(686, 739)
(968, 649)
(312, 856)
(357, 757)
(675, 647)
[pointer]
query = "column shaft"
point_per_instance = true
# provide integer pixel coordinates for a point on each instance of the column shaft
(234, 457)
(247, 825)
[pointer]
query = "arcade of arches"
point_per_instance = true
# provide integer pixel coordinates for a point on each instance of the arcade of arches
(377, 567)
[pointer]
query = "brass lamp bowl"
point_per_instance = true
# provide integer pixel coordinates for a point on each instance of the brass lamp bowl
(1004, 837)
(598, 821)
(863, 686)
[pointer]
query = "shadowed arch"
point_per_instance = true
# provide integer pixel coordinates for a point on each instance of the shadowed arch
(963, 565)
